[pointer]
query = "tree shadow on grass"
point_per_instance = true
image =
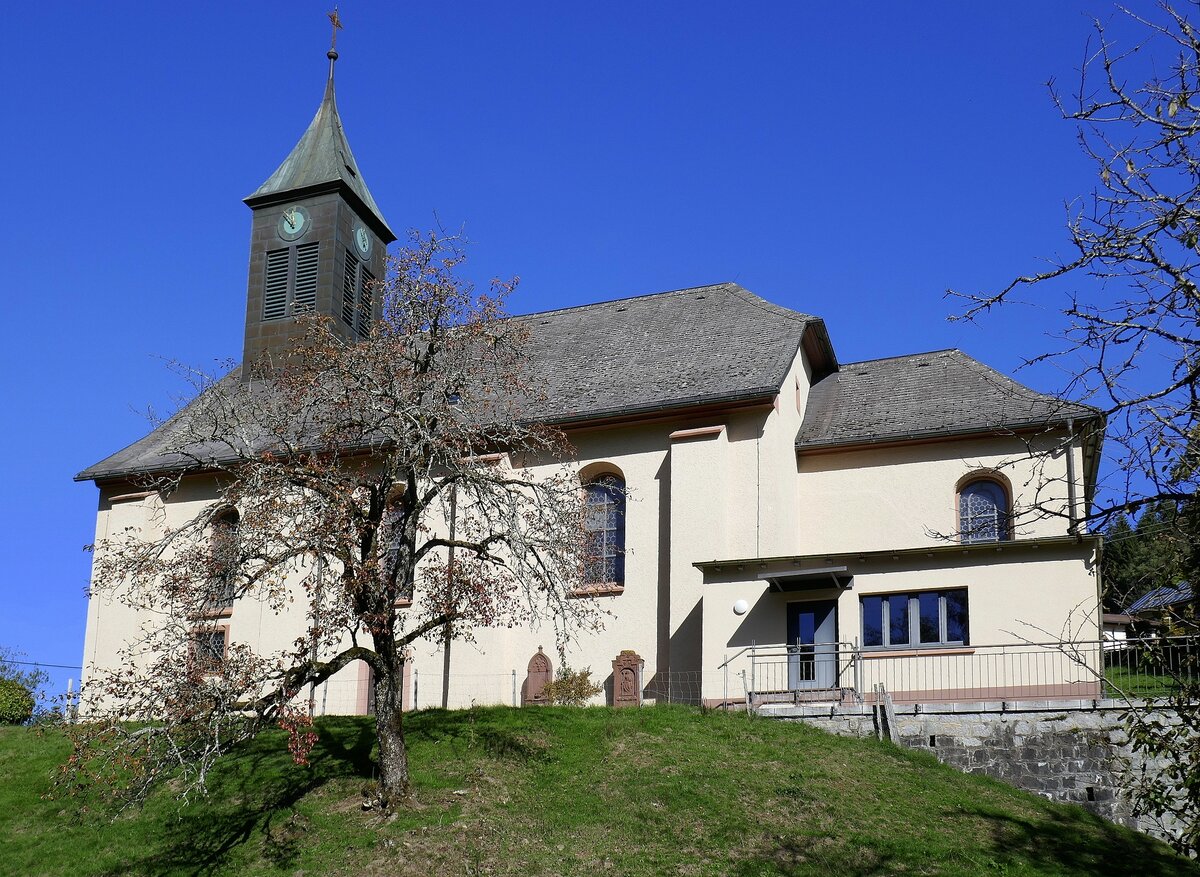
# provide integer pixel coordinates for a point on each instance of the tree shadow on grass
(498, 733)
(1066, 841)
(804, 856)
(254, 789)
(1076, 842)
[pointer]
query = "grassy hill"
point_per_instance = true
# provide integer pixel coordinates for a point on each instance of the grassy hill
(573, 792)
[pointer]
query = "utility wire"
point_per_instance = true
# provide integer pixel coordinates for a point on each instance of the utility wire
(40, 664)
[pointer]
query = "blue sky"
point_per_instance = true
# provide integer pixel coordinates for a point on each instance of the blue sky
(850, 160)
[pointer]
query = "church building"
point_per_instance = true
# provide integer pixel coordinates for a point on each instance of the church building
(777, 525)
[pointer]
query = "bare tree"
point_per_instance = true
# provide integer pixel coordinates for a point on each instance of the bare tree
(1130, 343)
(334, 470)
(1131, 331)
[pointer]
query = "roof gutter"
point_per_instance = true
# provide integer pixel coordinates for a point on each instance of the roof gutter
(901, 437)
(765, 395)
(751, 398)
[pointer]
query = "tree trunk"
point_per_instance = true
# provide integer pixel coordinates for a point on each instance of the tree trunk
(389, 728)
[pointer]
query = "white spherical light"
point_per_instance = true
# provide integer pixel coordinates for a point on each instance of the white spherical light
(740, 607)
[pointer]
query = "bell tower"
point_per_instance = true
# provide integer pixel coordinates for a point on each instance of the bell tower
(317, 239)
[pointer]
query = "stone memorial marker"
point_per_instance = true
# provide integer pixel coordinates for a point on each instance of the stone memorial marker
(539, 673)
(627, 679)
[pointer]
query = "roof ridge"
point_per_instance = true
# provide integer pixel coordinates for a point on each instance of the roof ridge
(733, 287)
(906, 356)
(762, 304)
(984, 370)
(609, 301)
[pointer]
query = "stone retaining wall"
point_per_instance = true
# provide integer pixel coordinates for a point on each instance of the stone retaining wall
(1070, 751)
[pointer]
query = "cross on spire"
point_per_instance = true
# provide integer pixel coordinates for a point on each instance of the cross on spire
(336, 21)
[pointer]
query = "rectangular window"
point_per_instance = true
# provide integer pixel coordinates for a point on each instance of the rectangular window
(898, 612)
(208, 649)
(872, 621)
(925, 618)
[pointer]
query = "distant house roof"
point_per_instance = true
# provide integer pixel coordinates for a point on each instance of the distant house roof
(669, 351)
(944, 392)
(1160, 598)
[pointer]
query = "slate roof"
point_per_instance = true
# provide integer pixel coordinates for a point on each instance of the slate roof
(322, 157)
(152, 453)
(1162, 597)
(944, 392)
(669, 350)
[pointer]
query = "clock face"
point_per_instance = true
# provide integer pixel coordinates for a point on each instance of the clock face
(362, 241)
(293, 223)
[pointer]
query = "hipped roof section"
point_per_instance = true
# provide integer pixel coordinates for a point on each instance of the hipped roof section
(665, 352)
(919, 396)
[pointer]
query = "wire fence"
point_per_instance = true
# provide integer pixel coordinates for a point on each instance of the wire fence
(506, 689)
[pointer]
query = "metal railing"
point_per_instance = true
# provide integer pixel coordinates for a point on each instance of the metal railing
(841, 672)
(1151, 667)
(846, 673)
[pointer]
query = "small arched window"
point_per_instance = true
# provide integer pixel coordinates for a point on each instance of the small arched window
(223, 547)
(605, 525)
(983, 511)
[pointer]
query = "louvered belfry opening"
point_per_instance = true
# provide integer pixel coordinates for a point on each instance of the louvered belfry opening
(304, 290)
(275, 288)
(349, 289)
(356, 296)
(290, 286)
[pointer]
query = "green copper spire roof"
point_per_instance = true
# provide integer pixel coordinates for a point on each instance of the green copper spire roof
(321, 160)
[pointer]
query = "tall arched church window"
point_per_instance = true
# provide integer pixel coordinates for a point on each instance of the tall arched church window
(605, 525)
(983, 511)
(223, 548)
(391, 544)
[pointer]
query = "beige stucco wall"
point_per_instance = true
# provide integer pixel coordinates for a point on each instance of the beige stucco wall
(1015, 597)
(735, 490)
(902, 497)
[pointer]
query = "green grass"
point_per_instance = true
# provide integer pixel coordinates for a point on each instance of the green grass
(1140, 684)
(573, 792)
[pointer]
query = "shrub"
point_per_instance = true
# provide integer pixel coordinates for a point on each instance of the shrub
(16, 703)
(572, 687)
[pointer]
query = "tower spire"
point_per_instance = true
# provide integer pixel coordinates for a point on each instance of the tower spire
(336, 21)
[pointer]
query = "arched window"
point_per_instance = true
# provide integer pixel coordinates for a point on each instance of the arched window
(605, 525)
(223, 547)
(391, 543)
(983, 511)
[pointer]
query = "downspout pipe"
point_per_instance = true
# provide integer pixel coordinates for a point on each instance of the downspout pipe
(449, 584)
(1072, 499)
